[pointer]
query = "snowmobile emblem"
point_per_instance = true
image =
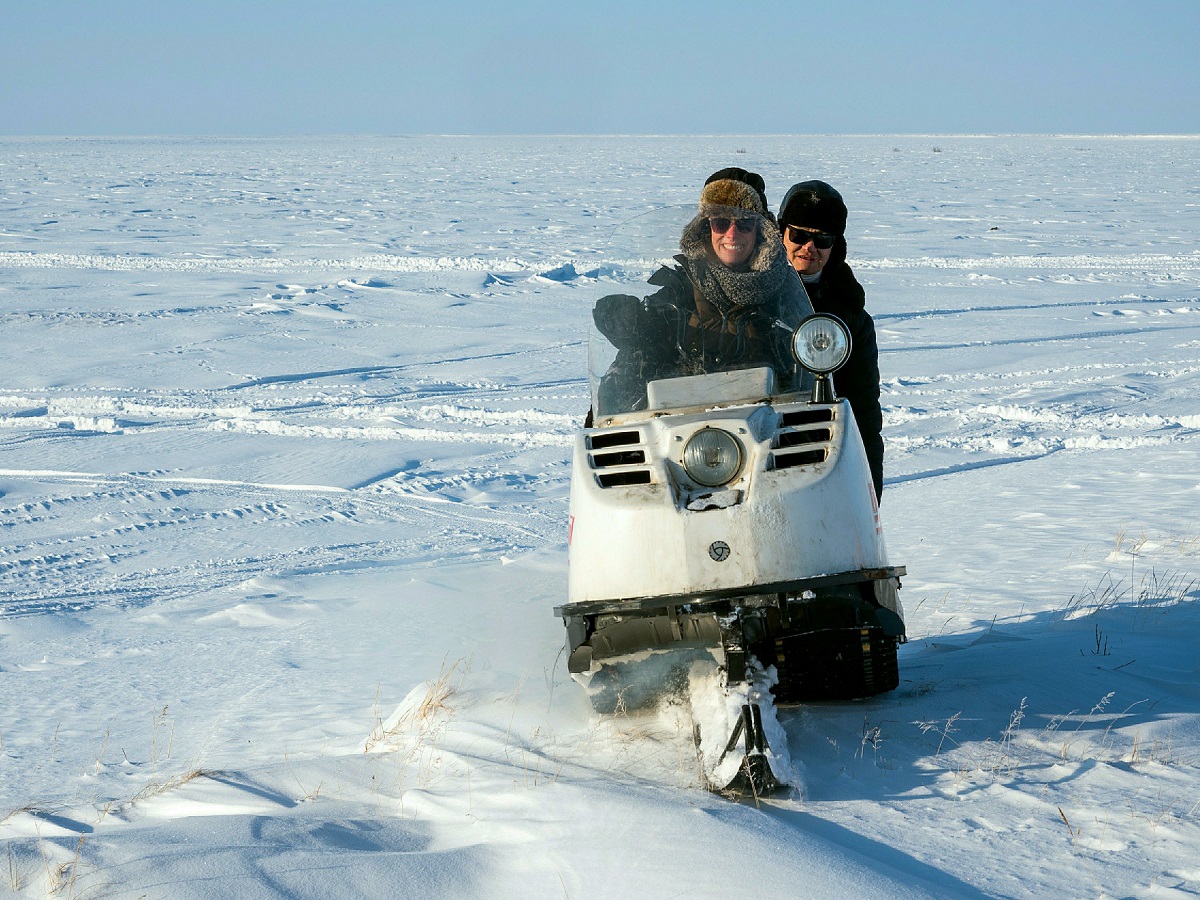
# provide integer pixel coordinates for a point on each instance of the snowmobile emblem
(719, 551)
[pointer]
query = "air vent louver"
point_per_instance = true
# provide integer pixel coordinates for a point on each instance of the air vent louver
(627, 477)
(604, 440)
(803, 437)
(619, 452)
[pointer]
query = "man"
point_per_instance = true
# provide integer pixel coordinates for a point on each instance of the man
(812, 220)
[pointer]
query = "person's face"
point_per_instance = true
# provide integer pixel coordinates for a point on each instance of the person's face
(734, 244)
(802, 250)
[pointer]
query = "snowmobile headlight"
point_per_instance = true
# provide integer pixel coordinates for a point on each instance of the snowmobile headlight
(712, 457)
(821, 344)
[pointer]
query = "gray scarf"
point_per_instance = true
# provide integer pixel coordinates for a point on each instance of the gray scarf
(733, 290)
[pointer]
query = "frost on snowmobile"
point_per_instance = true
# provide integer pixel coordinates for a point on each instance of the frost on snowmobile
(725, 539)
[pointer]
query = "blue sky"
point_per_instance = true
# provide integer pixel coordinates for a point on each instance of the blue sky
(129, 67)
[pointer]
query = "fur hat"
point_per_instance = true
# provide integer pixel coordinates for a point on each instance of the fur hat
(813, 204)
(734, 188)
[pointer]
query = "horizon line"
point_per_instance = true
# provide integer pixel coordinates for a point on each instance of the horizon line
(583, 134)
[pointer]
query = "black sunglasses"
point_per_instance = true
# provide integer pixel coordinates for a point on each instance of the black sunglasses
(821, 240)
(720, 224)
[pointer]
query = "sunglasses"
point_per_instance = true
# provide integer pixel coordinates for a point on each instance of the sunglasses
(720, 224)
(820, 239)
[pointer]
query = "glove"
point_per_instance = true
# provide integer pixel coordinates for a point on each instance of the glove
(619, 318)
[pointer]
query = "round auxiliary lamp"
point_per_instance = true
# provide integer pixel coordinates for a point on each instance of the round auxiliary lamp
(821, 344)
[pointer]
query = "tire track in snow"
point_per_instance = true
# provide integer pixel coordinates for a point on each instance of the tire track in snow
(44, 570)
(1039, 339)
(476, 510)
(1001, 417)
(398, 416)
(201, 264)
(1135, 262)
(1114, 304)
(300, 377)
(382, 262)
(967, 467)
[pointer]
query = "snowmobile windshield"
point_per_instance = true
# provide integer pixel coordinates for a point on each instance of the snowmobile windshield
(694, 310)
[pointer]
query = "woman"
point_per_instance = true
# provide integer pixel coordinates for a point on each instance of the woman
(716, 308)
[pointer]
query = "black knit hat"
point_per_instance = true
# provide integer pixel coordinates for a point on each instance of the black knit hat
(813, 204)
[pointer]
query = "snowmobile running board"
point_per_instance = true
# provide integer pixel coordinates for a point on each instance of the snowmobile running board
(596, 607)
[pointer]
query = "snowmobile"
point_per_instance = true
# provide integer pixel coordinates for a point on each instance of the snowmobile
(725, 542)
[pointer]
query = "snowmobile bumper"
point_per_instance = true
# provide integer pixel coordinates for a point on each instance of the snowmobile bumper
(600, 630)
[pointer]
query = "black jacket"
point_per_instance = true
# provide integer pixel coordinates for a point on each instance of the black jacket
(655, 339)
(839, 293)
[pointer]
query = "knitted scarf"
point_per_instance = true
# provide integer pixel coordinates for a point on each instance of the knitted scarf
(733, 290)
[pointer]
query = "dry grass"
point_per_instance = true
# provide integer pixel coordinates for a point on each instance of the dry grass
(158, 739)
(1074, 832)
(69, 871)
(156, 787)
(61, 876)
(1143, 588)
(1072, 737)
(942, 730)
(14, 878)
(1152, 593)
(420, 718)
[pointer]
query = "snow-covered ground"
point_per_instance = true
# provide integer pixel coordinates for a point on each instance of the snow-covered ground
(284, 463)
